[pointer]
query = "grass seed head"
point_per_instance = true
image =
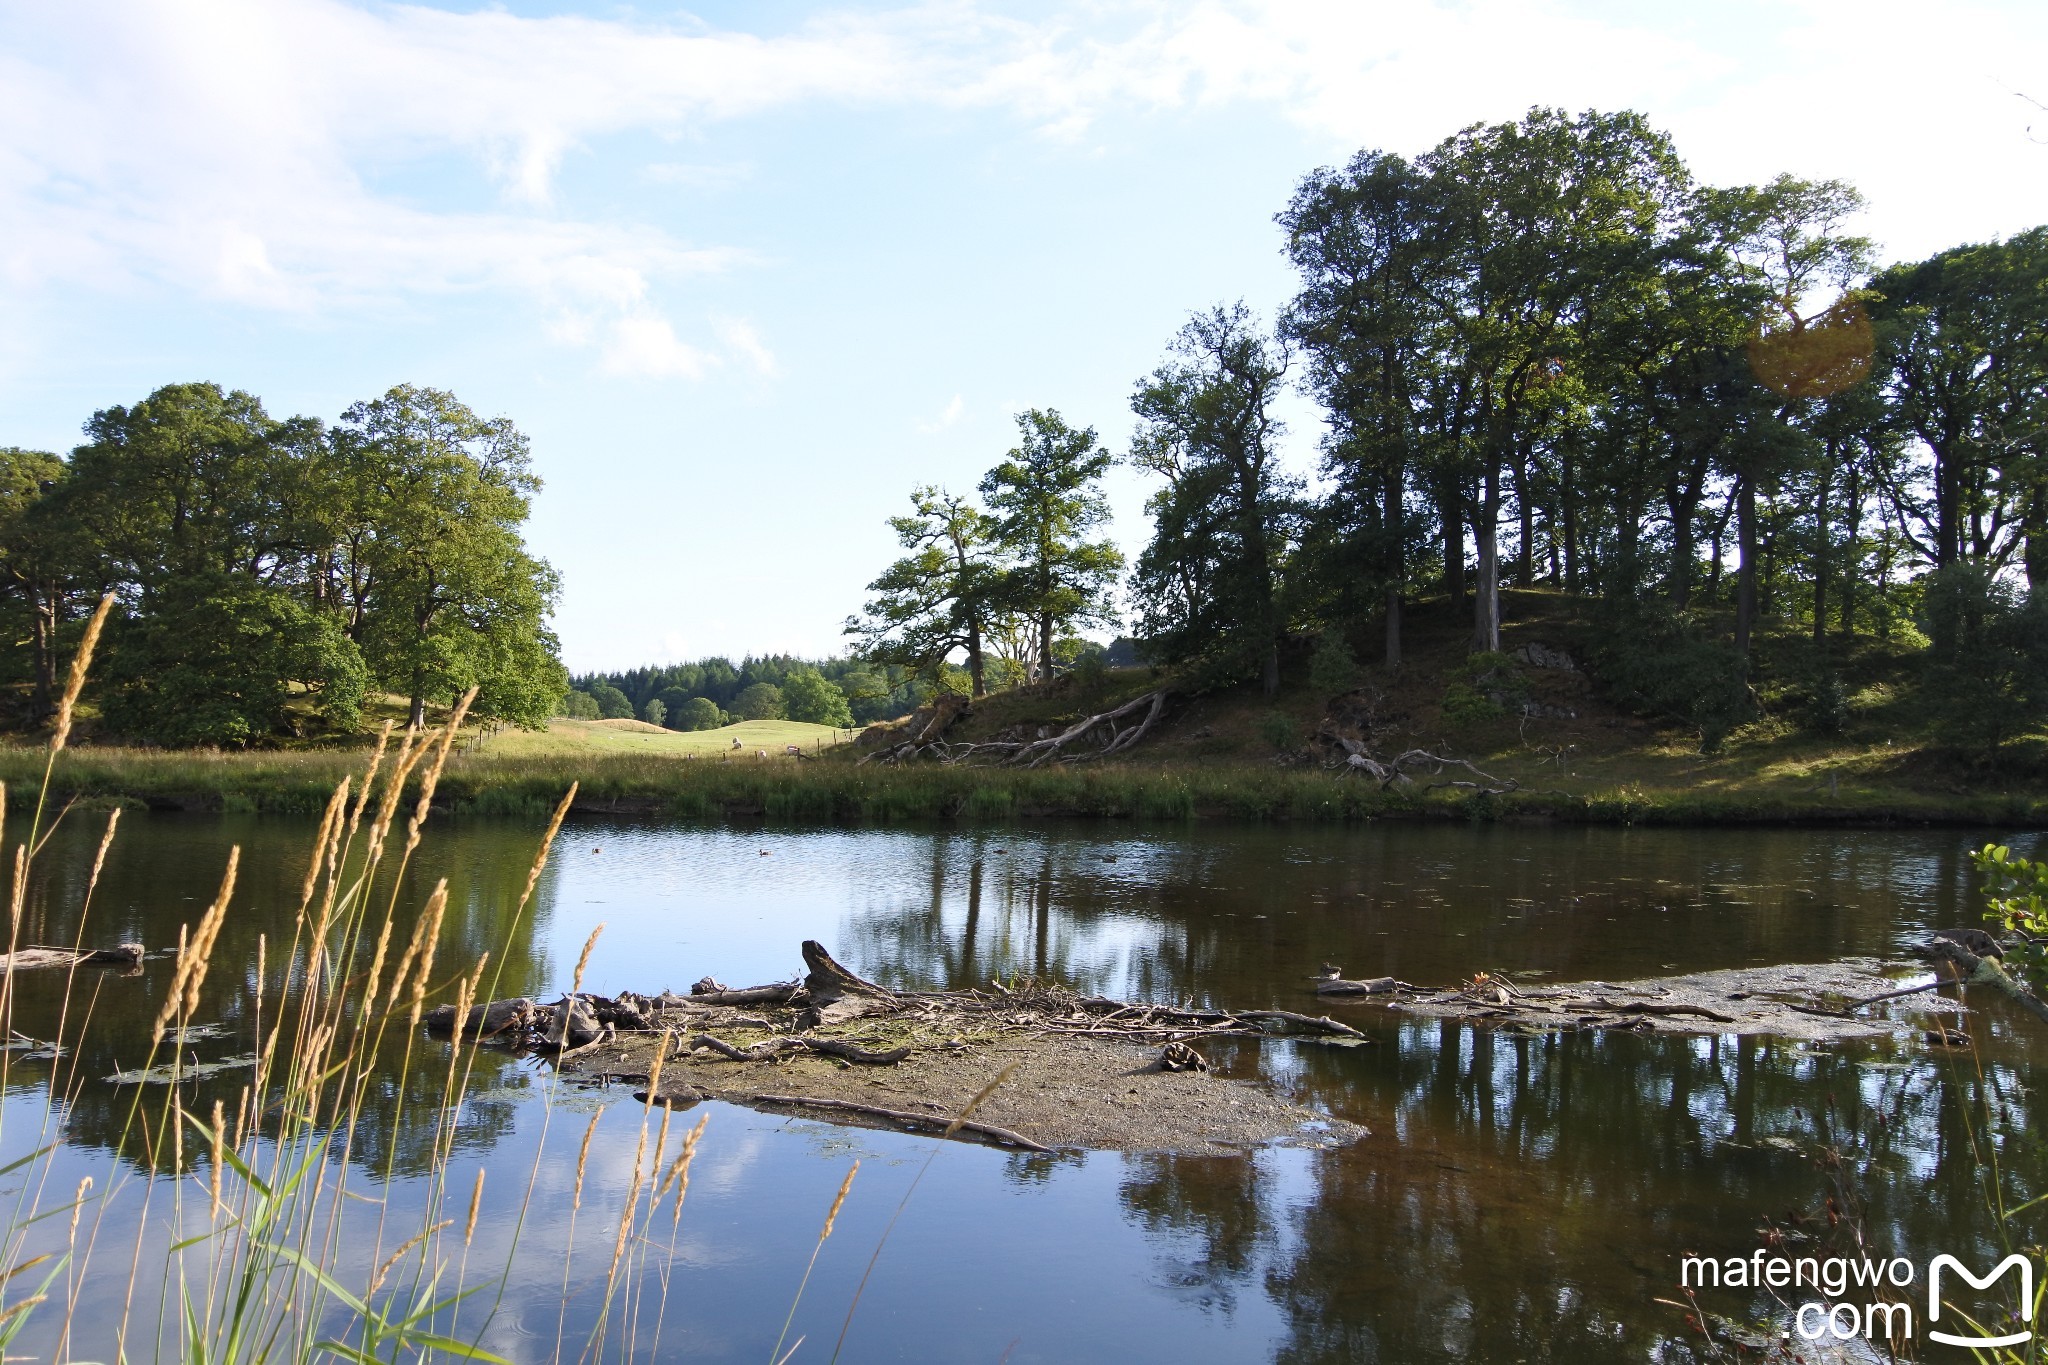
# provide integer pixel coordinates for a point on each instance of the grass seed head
(81, 662)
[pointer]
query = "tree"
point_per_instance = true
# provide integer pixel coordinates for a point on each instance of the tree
(1793, 244)
(219, 660)
(437, 586)
(698, 713)
(612, 704)
(1529, 223)
(1355, 238)
(654, 712)
(1208, 581)
(1045, 498)
(1964, 353)
(673, 699)
(32, 578)
(579, 705)
(759, 701)
(936, 599)
(204, 515)
(809, 695)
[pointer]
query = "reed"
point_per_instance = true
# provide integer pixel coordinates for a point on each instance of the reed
(245, 1245)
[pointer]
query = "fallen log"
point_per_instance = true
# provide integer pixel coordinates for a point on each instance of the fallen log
(776, 1047)
(750, 995)
(1372, 985)
(1985, 971)
(987, 1130)
(1289, 1020)
(28, 959)
(1668, 1011)
(491, 1020)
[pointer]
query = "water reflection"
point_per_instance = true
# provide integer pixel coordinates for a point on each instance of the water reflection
(1522, 1198)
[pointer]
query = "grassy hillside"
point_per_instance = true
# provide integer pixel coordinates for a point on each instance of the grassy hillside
(1579, 743)
(1226, 753)
(564, 738)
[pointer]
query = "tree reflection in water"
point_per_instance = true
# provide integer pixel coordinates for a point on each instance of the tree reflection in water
(1521, 1198)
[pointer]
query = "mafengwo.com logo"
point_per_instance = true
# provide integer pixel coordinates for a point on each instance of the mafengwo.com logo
(1861, 1297)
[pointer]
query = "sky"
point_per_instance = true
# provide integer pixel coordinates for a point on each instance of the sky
(749, 273)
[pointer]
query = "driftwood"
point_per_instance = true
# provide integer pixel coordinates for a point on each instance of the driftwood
(492, 1020)
(1374, 985)
(1986, 971)
(777, 1047)
(1284, 1021)
(751, 995)
(1098, 736)
(908, 1120)
(1667, 1011)
(1392, 771)
(28, 959)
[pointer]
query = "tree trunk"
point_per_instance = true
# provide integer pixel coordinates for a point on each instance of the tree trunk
(1393, 498)
(417, 717)
(1045, 648)
(1853, 512)
(1486, 601)
(1745, 567)
(974, 660)
(1454, 553)
(45, 615)
(1269, 674)
(2036, 551)
(1525, 552)
(1820, 558)
(1568, 506)
(1683, 508)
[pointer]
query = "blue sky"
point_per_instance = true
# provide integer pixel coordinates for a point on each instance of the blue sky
(746, 273)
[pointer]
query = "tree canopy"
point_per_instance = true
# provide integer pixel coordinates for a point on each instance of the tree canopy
(269, 573)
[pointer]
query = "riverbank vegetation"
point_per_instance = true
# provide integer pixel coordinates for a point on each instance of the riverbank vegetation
(1549, 358)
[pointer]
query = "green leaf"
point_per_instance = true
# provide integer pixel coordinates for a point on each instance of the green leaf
(450, 1346)
(20, 1162)
(325, 1281)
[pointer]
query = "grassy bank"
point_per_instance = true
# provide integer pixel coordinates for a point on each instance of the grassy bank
(488, 783)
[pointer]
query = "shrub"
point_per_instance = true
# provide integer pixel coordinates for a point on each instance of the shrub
(1332, 669)
(1279, 730)
(1985, 676)
(1658, 662)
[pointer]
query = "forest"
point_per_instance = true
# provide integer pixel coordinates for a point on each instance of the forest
(713, 692)
(267, 575)
(1546, 356)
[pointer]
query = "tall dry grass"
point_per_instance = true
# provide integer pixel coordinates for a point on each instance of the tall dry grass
(244, 1230)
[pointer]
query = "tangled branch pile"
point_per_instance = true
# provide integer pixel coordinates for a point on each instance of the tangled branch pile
(1097, 736)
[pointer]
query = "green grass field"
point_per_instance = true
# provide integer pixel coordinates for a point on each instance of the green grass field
(565, 738)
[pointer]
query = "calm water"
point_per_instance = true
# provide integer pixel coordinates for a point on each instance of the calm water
(1521, 1199)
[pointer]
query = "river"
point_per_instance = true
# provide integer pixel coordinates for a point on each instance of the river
(1520, 1199)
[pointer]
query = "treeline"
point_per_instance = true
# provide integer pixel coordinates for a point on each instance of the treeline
(1546, 354)
(713, 692)
(269, 574)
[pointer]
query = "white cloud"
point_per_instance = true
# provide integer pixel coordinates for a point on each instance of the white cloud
(646, 347)
(246, 150)
(744, 343)
(947, 418)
